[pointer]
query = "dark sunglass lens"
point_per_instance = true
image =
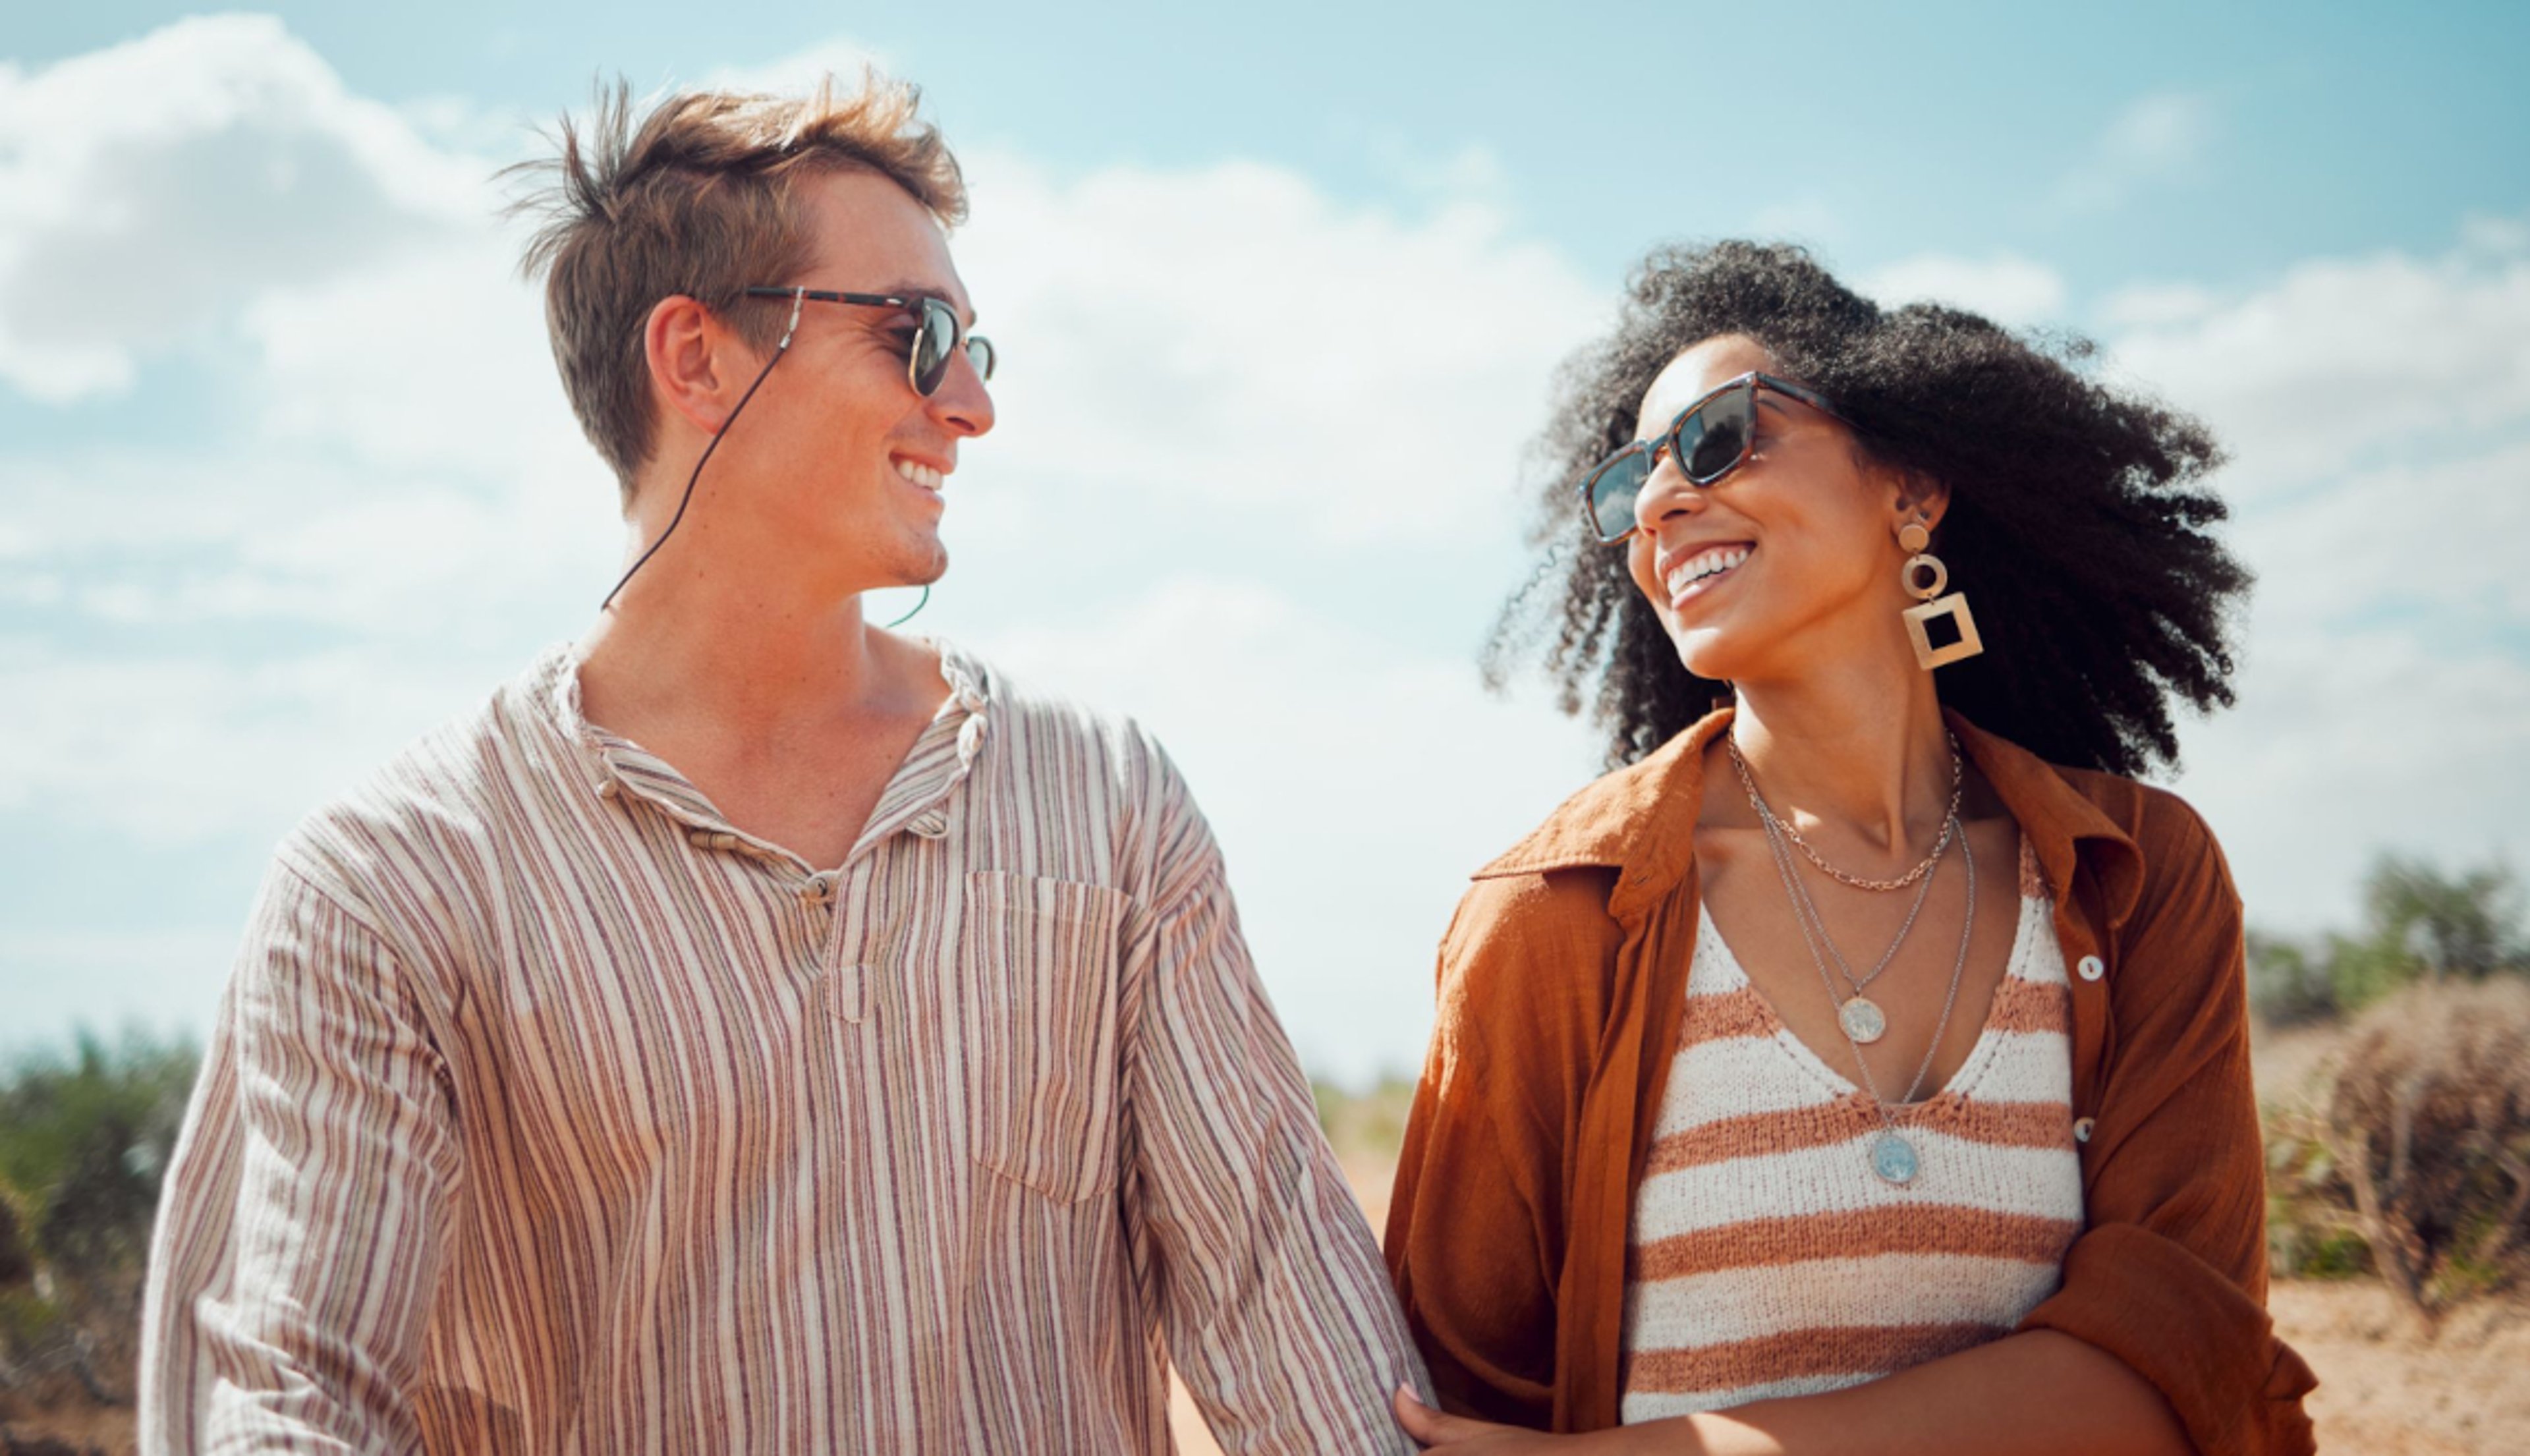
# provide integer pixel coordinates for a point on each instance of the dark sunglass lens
(1613, 490)
(1715, 437)
(979, 353)
(932, 344)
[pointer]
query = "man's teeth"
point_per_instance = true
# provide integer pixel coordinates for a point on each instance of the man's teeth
(920, 474)
(1705, 564)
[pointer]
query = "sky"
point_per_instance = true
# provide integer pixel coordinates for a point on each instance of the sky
(286, 478)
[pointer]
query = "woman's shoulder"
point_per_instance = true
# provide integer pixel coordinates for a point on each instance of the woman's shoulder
(1531, 919)
(2174, 906)
(2169, 834)
(1527, 971)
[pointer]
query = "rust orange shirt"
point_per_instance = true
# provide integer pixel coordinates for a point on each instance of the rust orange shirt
(1562, 982)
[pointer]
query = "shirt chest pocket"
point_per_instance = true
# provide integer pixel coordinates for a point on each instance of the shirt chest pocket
(1038, 1003)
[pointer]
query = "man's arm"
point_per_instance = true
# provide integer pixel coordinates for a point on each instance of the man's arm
(1276, 1307)
(300, 1236)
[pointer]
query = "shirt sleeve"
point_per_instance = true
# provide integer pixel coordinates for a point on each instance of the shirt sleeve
(300, 1239)
(1276, 1310)
(2171, 1272)
(1475, 1227)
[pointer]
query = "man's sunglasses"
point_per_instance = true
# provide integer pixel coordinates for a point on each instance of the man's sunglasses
(937, 335)
(1709, 439)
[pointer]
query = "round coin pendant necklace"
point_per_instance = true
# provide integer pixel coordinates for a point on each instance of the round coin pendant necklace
(1862, 1020)
(1861, 1017)
(1893, 1158)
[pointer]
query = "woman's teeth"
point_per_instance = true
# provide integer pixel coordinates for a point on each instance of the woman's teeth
(1705, 564)
(918, 472)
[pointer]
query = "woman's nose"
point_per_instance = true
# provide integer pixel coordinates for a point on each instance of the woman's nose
(1665, 492)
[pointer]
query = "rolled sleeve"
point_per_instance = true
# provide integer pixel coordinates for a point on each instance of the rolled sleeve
(2169, 1275)
(1475, 1227)
(300, 1239)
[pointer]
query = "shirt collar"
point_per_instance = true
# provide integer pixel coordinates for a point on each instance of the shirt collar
(608, 764)
(1640, 819)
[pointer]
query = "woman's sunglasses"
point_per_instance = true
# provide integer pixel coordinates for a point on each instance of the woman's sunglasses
(1709, 439)
(937, 334)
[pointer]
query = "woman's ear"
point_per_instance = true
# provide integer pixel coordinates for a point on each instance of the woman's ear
(1917, 498)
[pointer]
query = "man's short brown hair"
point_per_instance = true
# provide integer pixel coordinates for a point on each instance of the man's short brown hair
(698, 200)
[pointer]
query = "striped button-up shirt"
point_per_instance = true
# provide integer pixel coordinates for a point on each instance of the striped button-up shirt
(549, 1111)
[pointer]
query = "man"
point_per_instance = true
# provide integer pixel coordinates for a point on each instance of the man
(756, 1030)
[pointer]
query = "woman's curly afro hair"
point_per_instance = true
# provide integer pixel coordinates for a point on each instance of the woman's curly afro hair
(2078, 524)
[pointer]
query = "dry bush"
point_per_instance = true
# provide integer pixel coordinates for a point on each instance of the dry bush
(2418, 1142)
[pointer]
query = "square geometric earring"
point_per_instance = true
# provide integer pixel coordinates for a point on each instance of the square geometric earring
(1956, 623)
(1924, 577)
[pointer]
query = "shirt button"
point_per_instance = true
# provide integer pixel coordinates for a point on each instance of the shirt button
(2091, 968)
(2082, 1129)
(606, 788)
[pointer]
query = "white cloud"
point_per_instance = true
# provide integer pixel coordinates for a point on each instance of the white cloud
(1231, 335)
(2379, 409)
(148, 188)
(2006, 288)
(2349, 743)
(2159, 138)
(2342, 358)
(798, 72)
(432, 359)
(171, 748)
(2157, 305)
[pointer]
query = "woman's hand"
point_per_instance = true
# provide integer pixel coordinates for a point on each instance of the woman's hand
(1457, 1436)
(1710, 1434)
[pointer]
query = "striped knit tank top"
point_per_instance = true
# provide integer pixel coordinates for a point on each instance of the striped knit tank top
(1768, 1260)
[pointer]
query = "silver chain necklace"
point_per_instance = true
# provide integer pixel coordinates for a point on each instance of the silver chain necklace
(1859, 1015)
(1893, 1158)
(1923, 866)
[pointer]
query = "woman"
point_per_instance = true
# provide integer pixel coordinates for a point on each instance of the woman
(1863, 1066)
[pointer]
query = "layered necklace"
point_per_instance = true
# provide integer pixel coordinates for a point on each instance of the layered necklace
(1893, 1158)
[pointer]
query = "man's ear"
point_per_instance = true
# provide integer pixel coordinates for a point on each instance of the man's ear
(692, 358)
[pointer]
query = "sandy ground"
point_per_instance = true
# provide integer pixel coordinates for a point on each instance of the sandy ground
(2385, 1389)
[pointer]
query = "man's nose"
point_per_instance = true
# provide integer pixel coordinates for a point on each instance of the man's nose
(963, 405)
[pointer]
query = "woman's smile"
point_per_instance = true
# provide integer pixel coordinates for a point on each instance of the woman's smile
(1700, 571)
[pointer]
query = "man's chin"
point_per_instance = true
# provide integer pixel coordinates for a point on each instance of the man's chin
(919, 567)
(930, 566)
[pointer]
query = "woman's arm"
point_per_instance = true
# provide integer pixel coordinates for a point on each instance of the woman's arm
(2169, 1275)
(1475, 1239)
(2026, 1393)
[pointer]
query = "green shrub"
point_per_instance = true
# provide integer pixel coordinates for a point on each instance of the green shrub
(2419, 925)
(82, 1145)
